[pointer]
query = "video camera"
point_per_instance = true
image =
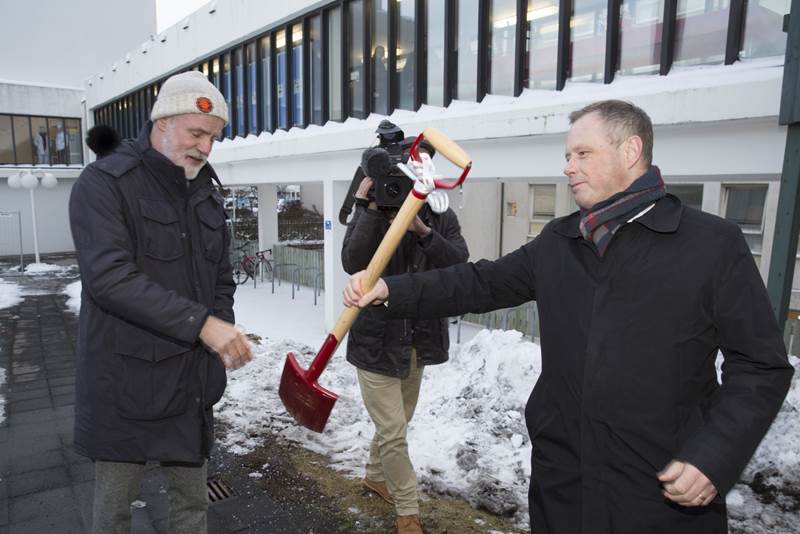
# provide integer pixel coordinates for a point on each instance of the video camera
(391, 186)
(380, 163)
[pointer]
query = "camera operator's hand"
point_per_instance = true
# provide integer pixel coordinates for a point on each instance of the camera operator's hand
(353, 294)
(364, 187)
(419, 227)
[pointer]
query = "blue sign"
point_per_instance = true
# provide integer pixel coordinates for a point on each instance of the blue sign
(328, 224)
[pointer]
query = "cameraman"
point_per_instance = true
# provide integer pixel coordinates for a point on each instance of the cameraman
(390, 354)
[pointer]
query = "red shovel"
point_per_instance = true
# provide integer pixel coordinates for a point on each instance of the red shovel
(309, 403)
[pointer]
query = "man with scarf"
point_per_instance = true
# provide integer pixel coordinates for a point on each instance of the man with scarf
(631, 430)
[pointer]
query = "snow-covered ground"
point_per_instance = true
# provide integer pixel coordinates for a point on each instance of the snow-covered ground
(2, 396)
(468, 437)
(10, 294)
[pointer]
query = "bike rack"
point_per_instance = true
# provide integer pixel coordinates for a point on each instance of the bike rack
(261, 263)
(275, 274)
(296, 274)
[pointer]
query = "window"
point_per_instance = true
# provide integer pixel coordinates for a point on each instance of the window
(406, 63)
(315, 74)
(588, 34)
(690, 195)
(744, 205)
(280, 75)
(379, 58)
(226, 91)
(542, 44)
(266, 83)
(356, 59)
(436, 52)
(238, 66)
(55, 141)
(502, 41)
(335, 68)
(763, 34)
(640, 36)
(543, 207)
(467, 49)
(58, 141)
(701, 31)
(74, 141)
(41, 141)
(6, 140)
(23, 144)
(252, 90)
(297, 75)
(216, 78)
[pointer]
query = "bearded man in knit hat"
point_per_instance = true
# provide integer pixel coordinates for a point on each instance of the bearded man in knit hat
(631, 431)
(156, 329)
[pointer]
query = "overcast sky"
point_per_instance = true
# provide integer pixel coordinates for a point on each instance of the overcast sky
(169, 12)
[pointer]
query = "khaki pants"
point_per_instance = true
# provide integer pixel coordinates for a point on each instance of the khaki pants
(117, 486)
(390, 403)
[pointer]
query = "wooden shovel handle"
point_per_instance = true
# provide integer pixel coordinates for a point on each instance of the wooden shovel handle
(394, 235)
(446, 147)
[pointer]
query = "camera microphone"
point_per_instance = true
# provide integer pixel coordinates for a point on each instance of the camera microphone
(375, 162)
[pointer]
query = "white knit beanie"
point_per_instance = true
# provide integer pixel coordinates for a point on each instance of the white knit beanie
(189, 92)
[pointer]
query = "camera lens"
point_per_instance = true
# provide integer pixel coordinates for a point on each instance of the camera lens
(392, 189)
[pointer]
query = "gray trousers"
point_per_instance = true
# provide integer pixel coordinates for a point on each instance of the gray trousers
(117, 486)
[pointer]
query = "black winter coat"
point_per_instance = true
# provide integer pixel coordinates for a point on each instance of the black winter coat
(153, 258)
(377, 343)
(628, 379)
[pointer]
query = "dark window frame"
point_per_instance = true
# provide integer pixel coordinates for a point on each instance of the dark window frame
(129, 112)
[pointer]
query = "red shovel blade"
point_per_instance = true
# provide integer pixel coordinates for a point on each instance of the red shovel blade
(309, 403)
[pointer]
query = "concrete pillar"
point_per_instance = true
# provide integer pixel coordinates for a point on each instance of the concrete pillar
(334, 193)
(712, 198)
(267, 216)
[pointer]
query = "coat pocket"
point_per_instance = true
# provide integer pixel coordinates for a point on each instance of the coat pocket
(216, 380)
(153, 377)
(162, 239)
(212, 230)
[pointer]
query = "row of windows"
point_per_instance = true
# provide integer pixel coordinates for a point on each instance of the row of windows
(26, 140)
(742, 204)
(354, 57)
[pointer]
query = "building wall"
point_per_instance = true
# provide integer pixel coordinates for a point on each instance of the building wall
(60, 43)
(176, 47)
(26, 99)
(52, 217)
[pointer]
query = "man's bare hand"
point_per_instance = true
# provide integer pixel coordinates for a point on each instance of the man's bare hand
(686, 485)
(353, 294)
(419, 227)
(227, 341)
(363, 188)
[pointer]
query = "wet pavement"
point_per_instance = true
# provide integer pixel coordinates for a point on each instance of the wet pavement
(45, 487)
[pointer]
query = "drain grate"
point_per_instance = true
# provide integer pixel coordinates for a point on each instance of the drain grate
(218, 490)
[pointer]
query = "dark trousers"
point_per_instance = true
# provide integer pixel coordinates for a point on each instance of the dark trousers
(117, 486)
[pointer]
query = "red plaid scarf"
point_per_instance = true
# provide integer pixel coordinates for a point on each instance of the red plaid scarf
(599, 224)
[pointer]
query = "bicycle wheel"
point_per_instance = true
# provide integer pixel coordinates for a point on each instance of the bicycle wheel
(240, 275)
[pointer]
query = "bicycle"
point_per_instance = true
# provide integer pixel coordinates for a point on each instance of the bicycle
(247, 266)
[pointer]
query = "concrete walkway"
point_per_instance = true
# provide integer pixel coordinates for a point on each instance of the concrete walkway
(45, 487)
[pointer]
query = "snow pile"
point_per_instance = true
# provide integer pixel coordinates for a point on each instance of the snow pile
(73, 291)
(43, 268)
(10, 294)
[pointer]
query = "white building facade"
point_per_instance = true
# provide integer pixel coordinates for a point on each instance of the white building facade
(50, 48)
(308, 81)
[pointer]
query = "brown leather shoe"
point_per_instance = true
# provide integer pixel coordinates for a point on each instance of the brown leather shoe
(408, 524)
(379, 487)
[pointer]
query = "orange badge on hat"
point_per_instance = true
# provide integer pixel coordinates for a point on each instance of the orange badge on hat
(204, 104)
